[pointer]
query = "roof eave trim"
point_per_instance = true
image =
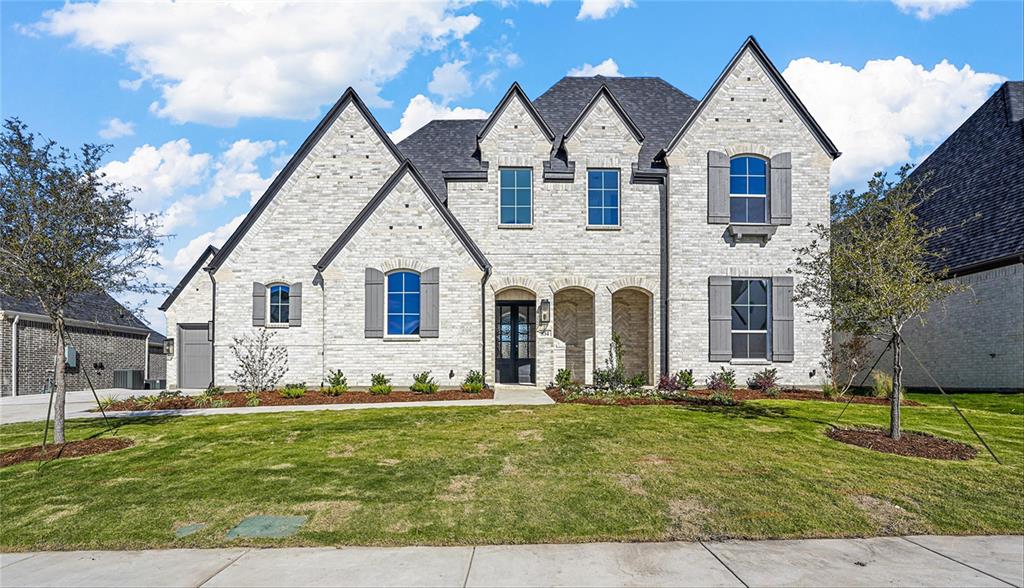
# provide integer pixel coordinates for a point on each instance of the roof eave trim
(378, 198)
(603, 90)
(282, 178)
(469, 175)
(513, 91)
(42, 318)
(188, 277)
(780, 83)
(989, 264)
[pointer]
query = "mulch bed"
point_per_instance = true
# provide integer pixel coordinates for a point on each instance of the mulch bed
(237, 399)
(703, 397)
(909, 444)
(71, 449)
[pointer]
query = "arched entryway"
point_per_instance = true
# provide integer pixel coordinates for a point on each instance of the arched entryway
(631, 321)
(573, 326)
(515, 346)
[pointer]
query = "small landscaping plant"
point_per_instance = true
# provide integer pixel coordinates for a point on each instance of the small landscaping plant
(881, 385)
(613, 375)
(668, 385)
(293, 390)
(337, 383)
(380, 384)
(764, 379)
(721, 384)
(219, 403)
(828, 390)
(685, 379)
(252, 399)
(637, 381)
(423, 383)
(213, 391)
(563, 378)
(261, 365)
(203, 399)
(169, 393)
(474, 382)
(107, 401)
(148, 402)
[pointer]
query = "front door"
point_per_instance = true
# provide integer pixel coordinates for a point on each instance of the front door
(516, 344)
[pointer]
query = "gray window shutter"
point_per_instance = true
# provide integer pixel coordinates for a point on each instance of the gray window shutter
(781, 178)
(295, 305)
(429, 302)
(374, 304)
(720, 315)
(259, 305)
(782, 318)
(718, 188)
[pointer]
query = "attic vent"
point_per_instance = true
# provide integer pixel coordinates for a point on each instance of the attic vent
(748, 120)
(367, 157)
(351, 177)
(334, 156)
(351, 136)
(602, 127)
(748, 78)
(764, 100)
(780, 120)
(731, 99)
(716, 119)
(317, 176)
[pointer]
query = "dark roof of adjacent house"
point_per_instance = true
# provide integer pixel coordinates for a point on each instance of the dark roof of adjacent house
(978, 181)
(92, 307)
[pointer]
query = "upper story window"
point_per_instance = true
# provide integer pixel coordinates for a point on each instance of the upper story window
(516, 205)
(403, 303)
(748, 190)
(750, 318)
(279, 303)
(603, 197)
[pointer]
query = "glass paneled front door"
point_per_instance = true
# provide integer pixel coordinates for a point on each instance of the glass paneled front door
(516, 344)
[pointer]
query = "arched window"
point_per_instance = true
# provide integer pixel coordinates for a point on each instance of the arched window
(279, 302)
(403, 303)
(748, 190)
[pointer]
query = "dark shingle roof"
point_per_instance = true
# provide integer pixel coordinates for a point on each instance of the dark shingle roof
(94, 307)
(979, 183)
(657, 108)
(443, 145)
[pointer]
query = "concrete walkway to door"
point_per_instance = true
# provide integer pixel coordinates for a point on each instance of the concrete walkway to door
(79, 404)
(881, 561)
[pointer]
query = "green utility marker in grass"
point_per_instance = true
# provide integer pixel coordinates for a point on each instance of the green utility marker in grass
(266, 526)
(189, 530)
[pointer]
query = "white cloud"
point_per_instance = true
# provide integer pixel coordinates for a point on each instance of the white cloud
(187, 255)
(216, 62)
(159, 172)
(117, 128)
(878, 114)
(598, 9)
(607, 68)
(927, 9)
(422, 110)
(450, 81)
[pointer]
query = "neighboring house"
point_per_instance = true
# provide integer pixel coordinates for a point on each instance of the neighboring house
(521, 244)
(975, 339)
(105, 337)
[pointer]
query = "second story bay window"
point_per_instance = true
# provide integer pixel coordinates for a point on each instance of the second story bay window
(516, 204)
(748, 190)
(603, 197)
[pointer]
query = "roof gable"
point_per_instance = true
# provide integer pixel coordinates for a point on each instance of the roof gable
(605, 93)
(515, 91)
(364, 215)
(210, 250)
(350, 96)
(754, 48)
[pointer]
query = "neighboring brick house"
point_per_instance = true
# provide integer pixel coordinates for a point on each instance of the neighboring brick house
(974, 340)
(523, 243)
(104, 335)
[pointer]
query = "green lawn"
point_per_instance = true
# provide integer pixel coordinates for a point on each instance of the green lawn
(511, 475)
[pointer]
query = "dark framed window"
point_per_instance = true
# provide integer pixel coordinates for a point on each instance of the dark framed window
(279, 304)
(516, 205)
(750, 318)
(403, 303)
(748, 190)
(603, 197)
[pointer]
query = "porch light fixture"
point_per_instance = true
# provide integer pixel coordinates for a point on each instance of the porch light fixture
(169, 347)
(545, 310)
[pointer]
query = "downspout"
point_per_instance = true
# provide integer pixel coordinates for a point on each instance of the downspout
(212, 330)
(319, 280)
(145, 369)
(483, 322)
(14, 355)
(665, 252)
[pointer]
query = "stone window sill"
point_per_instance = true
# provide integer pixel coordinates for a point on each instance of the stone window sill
(401, 338)
(604, 227)
(514, 226)
(749, 362)
(278, 325)
(762, 232)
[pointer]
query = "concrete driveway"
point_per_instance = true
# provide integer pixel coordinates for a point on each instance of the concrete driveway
(882, 561)
(32, 407)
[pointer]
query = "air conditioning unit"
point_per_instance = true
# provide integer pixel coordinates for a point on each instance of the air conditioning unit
(155, 384)
(130, 379)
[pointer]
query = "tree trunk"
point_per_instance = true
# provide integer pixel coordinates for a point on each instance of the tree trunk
(897, 385)
(59, 385)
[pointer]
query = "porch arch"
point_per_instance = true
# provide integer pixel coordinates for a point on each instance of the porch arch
(632, 322)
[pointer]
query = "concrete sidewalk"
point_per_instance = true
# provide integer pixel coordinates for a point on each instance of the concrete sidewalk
(79, 404)
(906, 561)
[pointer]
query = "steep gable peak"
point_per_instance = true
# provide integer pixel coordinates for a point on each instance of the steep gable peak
(515, 92)
(604, 93)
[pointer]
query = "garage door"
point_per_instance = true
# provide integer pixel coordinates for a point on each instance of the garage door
(194, 363)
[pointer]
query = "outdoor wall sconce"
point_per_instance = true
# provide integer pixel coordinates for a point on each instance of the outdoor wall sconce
(169, 347)
(545, 310)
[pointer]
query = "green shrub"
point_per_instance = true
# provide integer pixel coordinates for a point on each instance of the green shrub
(684, 378)
(723, 397)
(334, 390)
(563, 379)
(337, 382)
(219, 403)
(473, 383)
(637, 381)
(380, 384)
(764, 379)
(613, 375)
(772, 391)
(107, 401)
(252, 399)
(213, 391)
(169, 393)
(723, 380)
(423, 383)
(881, 385)
(148, 402)
(828, 390)
(203, 400)
(293, 390)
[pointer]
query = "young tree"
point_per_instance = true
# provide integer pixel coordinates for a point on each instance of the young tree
(871, 271)
(66, 230)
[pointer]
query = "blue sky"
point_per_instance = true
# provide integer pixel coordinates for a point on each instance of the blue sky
(209, 100)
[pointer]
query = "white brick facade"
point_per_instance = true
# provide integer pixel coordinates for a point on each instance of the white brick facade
(610, 275)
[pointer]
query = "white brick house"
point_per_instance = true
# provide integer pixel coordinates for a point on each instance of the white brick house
(521, 244)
